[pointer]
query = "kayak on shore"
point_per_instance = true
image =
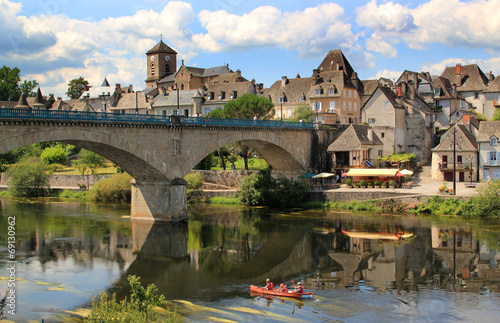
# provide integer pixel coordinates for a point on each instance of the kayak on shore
(275, 292)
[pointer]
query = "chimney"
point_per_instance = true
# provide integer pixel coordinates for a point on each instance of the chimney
(491, 77)
(118, 86)
(238, 74)
(338, 67)
(466, 119)
(369, 134)
(284, 80)
(400, 90)
(164, 91)
(458, 74)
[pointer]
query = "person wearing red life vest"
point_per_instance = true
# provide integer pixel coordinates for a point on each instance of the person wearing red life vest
(299, 288)
(283, 288)
(269, 284)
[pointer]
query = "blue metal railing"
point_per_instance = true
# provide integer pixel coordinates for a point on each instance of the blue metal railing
(9, 113)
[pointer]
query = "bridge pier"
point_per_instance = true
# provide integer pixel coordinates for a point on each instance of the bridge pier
(155, 200)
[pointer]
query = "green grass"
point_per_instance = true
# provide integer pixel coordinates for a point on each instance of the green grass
(108, 169)
(220, 200)
(253, 164)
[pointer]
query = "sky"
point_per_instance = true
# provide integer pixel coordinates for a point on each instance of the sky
(55, 41)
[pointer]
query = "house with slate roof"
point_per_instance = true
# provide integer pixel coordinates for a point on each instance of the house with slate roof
(188, 102)
(332, 92)
(401, 119)
(470, 83)
(492, 96)
(101, 97)
(488, 140)
(135, 102)
(457, 150)
(357, 145)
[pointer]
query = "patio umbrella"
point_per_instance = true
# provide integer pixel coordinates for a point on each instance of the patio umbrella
(306, 175)
(323, 175)
(406, 172)
(344, 174)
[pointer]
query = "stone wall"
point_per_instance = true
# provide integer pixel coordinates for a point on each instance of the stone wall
(65, 180)
(231, 178)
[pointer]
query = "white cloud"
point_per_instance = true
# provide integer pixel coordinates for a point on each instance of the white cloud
(486, 65)
(376, 44)
(392, 75)
(387, 17)
(312, 31)
(453, 23)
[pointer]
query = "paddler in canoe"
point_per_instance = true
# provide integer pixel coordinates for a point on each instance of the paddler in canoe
(269, 284)
(299, 288)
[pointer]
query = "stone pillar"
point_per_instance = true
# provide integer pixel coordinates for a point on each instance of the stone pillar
(159, 200)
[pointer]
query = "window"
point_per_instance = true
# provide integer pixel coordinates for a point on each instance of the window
(302, 98)
(382, 134)
(167, 69)
(493, 155)
(459, 159)
(476, 94)
(332, 91)
(371, 120)
(318, 106)
(493, 141)
(343, 93)
(380, 153)
(355, 106)
(332, 106)
(289, 113)
(350, 106)
(282, 99)
(152, 69)
(387, 105)
(344, 107)
(355, 94)
(318, 92)
(182, 86)
(437, 92)
(350, 94)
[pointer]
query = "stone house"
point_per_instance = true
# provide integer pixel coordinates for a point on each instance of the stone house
(332, 92)
(449, 105)
(492, 97)
(457, 150)
(356, 146)
(186, 101)
(401, 119)
(470, 82)
(489, 150)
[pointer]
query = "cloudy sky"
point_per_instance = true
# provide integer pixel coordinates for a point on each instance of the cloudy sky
(54, 41)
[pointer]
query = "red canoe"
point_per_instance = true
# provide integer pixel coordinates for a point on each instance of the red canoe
(275, 292)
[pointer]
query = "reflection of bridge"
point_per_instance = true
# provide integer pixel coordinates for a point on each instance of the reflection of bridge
(156, 152)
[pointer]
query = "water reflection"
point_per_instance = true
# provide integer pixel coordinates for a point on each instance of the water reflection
(87, 248)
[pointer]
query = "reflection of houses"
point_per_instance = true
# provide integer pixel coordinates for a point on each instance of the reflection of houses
(458, 141)
(355, 146)
(456, 250)
(489, 150)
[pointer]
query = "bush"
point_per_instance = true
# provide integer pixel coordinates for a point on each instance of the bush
(263, 189)
(383, 184)
(370, 183)
(362, 182)
(140, 307)
(54, 155)
(377, 182)
(194, 194)
(487, 201)
(113, 189)
(28, 178)
(349, 182)
(221, 200)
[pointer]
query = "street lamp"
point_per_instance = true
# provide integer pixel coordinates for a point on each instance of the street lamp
(178, 110)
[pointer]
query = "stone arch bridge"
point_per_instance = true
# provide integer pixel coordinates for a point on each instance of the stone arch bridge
(159, 154)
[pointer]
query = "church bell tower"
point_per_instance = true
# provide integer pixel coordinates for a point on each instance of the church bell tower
(161, 61)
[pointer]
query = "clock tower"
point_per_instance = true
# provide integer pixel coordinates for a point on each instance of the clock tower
(161, 61)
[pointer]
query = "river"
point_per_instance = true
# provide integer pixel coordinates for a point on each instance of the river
(361, 267)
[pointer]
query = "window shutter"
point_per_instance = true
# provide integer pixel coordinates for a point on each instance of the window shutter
(498, 157)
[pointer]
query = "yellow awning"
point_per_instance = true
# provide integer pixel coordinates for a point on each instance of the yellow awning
(372, 172)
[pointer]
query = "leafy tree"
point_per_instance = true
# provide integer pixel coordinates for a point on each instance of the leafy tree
(76, 87)
(487, 201)
(28, 178)
(302, 112)
(28, 87)
(114, 189)
(54, 155)
(263, 189)
(88, 160)
(246, 107)
(9, 84)
(496, 115)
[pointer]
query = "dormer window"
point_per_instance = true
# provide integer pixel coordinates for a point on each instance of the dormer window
(318, 92)
(332, 91)
(222, 95)
(493, 141)
(282, 99)
(437, 92)
(234, 95)
(302, 98)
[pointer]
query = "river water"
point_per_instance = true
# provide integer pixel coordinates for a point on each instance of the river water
(361, 267)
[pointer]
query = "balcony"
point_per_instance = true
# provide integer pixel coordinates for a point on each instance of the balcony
(491, 163)
(461, 167)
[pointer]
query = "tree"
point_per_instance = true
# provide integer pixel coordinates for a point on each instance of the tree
(496, 115)
(302, 112)
(28, 178)
(88, 160)
(28, 87)
(54, 155)
(76, 87)
(9, 84)
(246, 107)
